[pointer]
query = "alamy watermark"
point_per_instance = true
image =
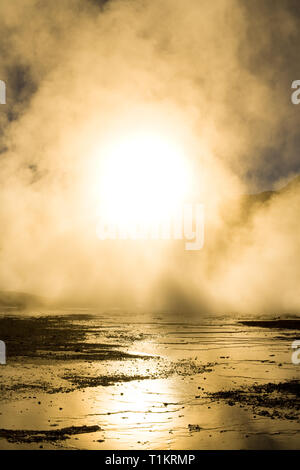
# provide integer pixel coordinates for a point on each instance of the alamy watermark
(186, 224)
(2, 353)
(295, 97)
(296, 352)
(2, 92)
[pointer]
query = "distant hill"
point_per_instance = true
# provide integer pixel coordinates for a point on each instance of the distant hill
(249, 203)
(19, 300)
(267, 195)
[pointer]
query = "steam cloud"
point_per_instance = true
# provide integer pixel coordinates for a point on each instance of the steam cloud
(216, 75)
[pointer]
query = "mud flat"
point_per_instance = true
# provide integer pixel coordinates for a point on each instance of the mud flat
(21, 436)
(125, 381)
(280, 400)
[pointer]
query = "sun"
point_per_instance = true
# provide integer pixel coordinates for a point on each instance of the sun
(144, 178)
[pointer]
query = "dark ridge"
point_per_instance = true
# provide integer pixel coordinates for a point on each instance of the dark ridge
(281, 324)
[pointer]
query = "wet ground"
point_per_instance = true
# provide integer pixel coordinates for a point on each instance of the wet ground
(84, 380)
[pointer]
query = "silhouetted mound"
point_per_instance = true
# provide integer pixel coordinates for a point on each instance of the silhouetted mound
(292, 324)
(20, 436)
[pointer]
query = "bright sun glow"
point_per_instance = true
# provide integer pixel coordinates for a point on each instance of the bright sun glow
(144, 177)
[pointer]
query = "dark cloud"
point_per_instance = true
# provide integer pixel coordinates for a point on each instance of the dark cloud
(269, 52)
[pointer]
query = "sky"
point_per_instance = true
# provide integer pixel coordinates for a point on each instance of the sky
(240, 63)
